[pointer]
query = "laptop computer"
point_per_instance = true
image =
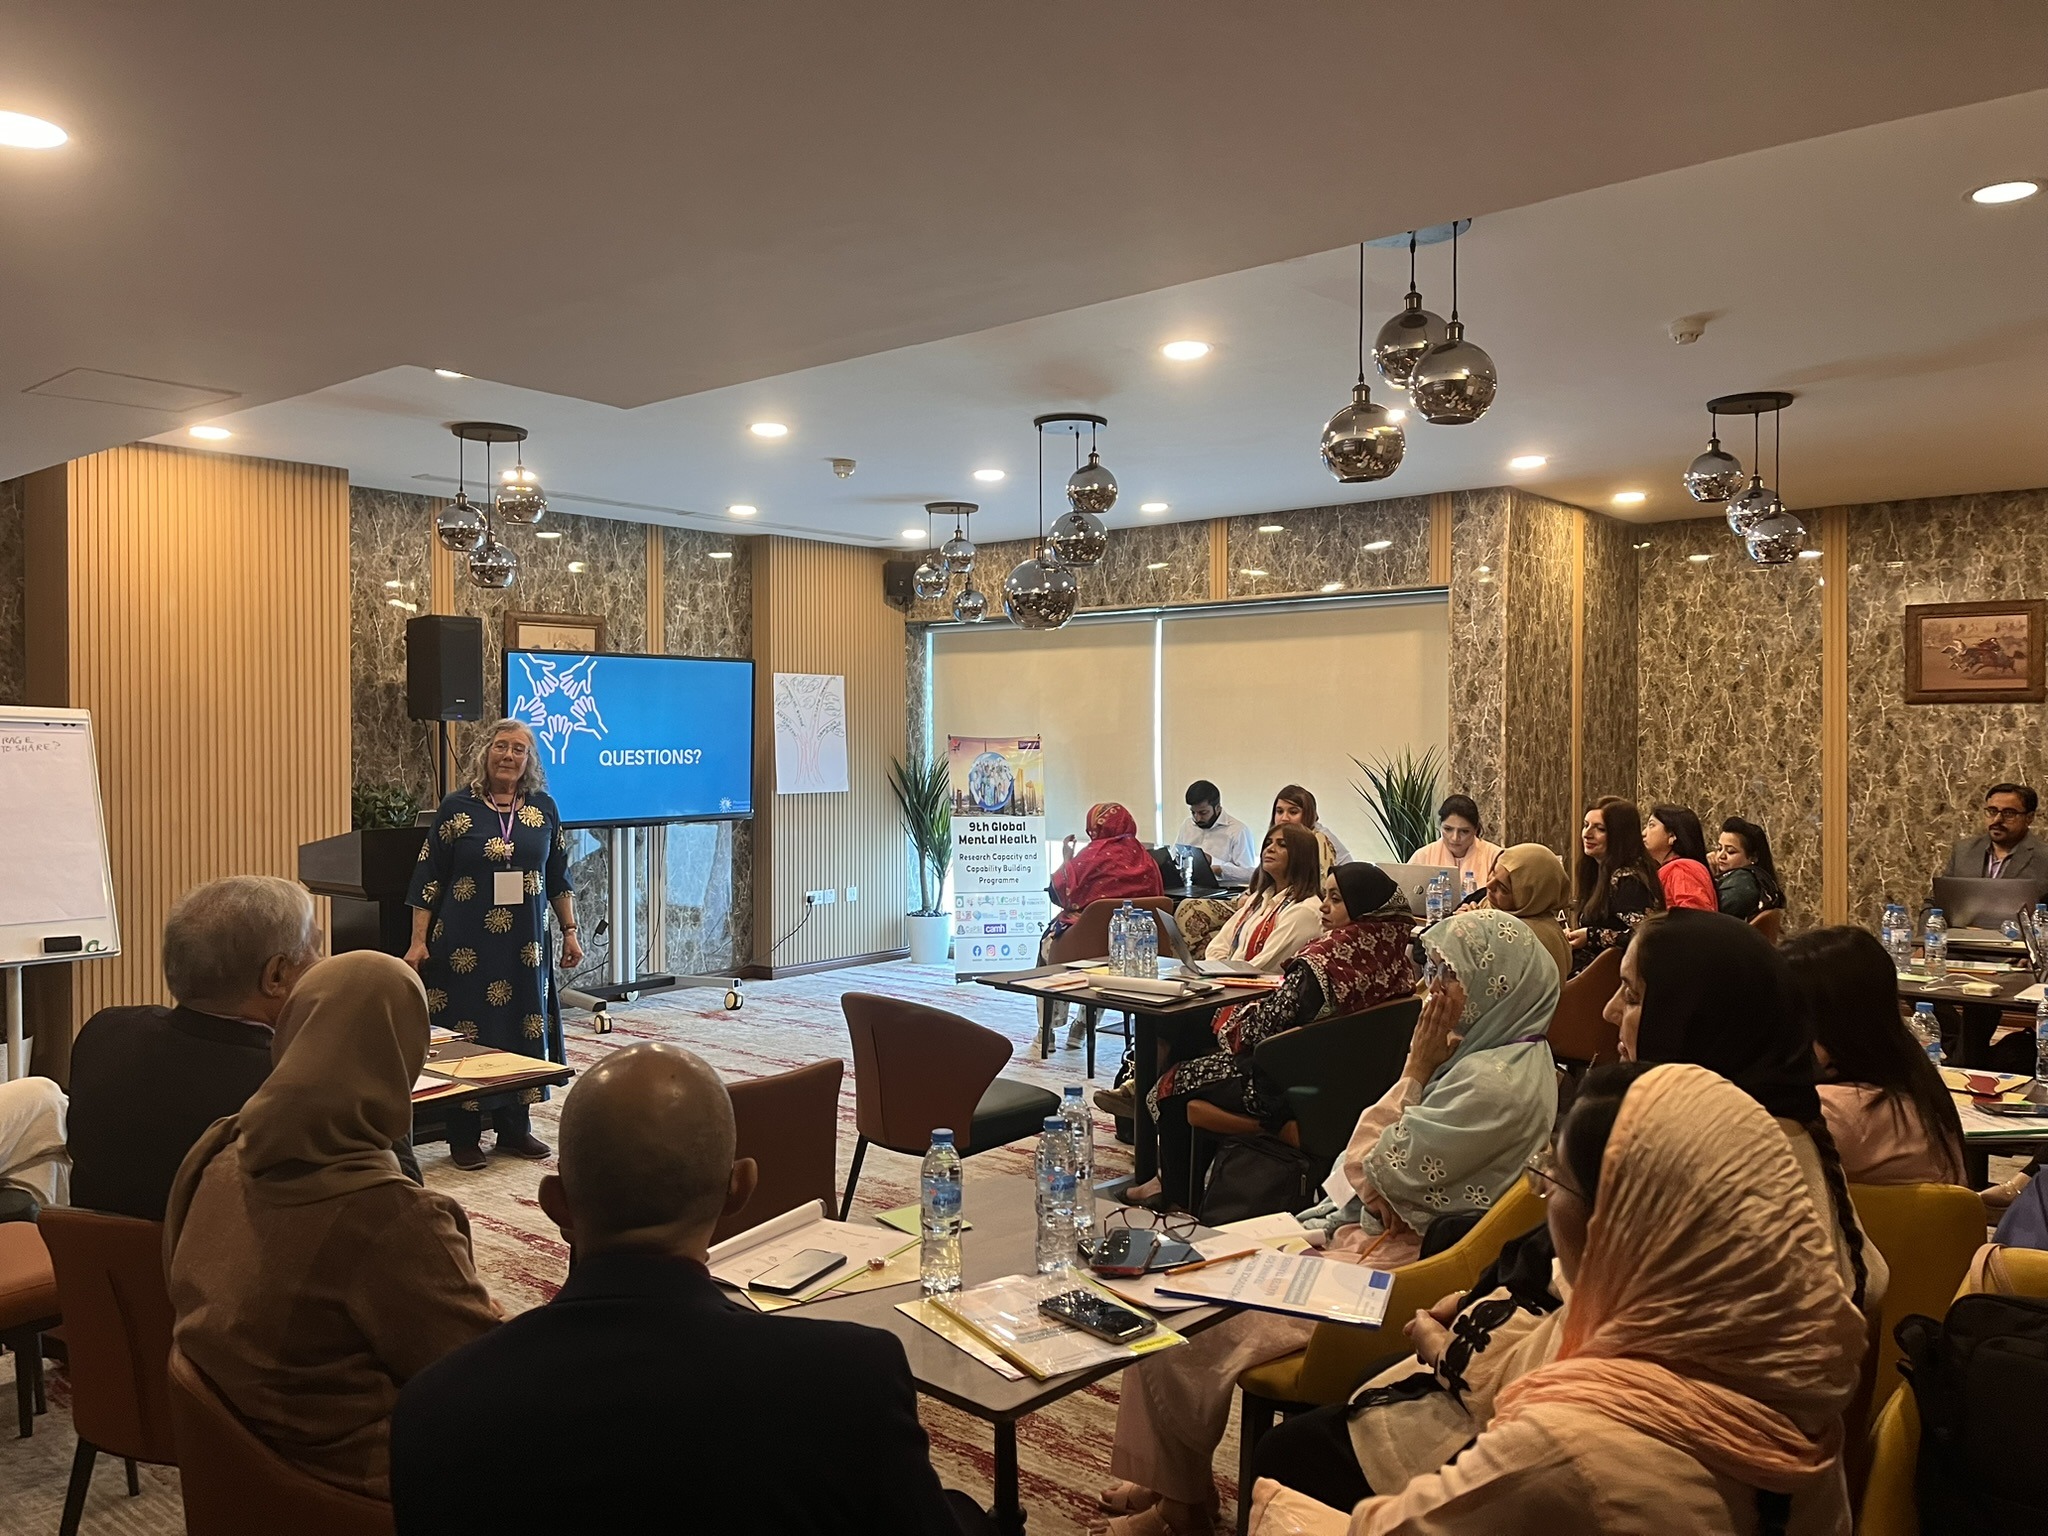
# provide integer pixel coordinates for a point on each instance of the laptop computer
(1178, 943)
(1414, 882)
(1984, 904)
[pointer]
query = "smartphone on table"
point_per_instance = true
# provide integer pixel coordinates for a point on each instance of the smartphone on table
(797, 1273)
(1097, 1315)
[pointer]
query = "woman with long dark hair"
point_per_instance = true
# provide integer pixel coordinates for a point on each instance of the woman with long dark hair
(1298, 806)
(1617, 882)
(1885, 1104)
(1677, 846)
(1283, 909)
(1745, 874)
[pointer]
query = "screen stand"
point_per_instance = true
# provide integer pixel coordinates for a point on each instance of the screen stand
(17, 1052)
(636, 860)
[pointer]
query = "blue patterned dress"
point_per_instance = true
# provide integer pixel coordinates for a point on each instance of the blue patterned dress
(490, 972)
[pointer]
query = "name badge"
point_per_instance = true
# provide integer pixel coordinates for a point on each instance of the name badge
(508, 888)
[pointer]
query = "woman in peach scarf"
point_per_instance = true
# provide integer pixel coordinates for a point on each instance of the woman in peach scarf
(1710, 1345)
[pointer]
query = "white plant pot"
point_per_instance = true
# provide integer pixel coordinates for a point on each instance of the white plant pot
(931, 938)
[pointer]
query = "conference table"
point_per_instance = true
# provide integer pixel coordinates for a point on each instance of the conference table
(1002, 1240)
(1146, 1019)
(442, 1054)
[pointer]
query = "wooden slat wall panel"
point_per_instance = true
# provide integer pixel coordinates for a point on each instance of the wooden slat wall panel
(209, 636)
(819, 608)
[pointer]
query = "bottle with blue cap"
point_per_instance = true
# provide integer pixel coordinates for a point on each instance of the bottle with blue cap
(1927, 1030)
(1934, 945)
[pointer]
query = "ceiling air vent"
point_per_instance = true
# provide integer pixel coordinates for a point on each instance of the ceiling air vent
(125, 389)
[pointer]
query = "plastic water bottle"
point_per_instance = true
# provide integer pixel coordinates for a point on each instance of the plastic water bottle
(2041, 925)
(1055, 1196)
(1935, 945)
(2041, 1041)
(1471, 885)
(1927, 1030)
(1433, 903)
(1889, 922)
(2009, 930)
(1144, 945)
(1119, 929)
(1081, 1129)
(938, 1260)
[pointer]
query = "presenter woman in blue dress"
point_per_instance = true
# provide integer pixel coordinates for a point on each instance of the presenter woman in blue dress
(493, 864)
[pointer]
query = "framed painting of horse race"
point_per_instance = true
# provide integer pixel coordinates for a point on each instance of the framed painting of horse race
(1976, 653)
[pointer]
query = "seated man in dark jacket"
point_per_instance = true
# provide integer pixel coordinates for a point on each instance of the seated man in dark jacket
(146, 1081)
(641, 1397)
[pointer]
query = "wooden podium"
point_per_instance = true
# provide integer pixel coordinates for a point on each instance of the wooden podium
(365, 875)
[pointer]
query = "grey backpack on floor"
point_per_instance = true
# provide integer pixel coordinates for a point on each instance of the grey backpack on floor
(1980, 1378)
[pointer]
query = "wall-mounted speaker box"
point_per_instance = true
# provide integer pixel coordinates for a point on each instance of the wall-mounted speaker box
(897, 575)
(444, 667)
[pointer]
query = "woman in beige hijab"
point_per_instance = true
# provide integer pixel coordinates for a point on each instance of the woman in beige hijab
(1530, 882)
(311, 1279)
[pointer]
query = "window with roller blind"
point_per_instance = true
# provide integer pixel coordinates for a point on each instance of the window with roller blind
(1134, 709)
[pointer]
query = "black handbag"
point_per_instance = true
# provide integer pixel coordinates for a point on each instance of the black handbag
(1256, 1176)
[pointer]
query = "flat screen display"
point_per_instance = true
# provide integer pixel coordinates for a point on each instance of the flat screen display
(638, 738)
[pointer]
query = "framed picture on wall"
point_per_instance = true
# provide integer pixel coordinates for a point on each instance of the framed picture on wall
(554, 631)
(1976, 653)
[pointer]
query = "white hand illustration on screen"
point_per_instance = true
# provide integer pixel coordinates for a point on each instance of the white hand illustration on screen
(560, 702)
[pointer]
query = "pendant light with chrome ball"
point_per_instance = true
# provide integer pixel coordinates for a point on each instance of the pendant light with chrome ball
(1363, 442)
(1079, 537)
(492, 564)
(1777, 537)
(928, 581)
(1041, 593)
(1715, 474)
(460, 525)
(519, 496)
(971, 606)
(1403, 340)
(1455, 381)
(1758, 501)
(958, 551)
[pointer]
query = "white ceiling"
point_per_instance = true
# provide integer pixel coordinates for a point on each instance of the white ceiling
(905, 230)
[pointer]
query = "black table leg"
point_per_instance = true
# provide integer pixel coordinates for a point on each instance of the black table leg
(1144, 1072)
(1008, 1510)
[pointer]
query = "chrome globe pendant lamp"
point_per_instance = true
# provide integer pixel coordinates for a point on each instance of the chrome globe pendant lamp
(1079, 537)
(1403, 340)
(1777, 537)
(460, 525)
(928, 581)
(1363, 442)
(1041, 592)
(958, 551)
(1715, 475)
(1757, 501)
(1455, 381)
(492, 562)
(971, 606)
(519, 495)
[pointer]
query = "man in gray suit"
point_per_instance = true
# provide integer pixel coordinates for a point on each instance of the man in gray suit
(2007, 850)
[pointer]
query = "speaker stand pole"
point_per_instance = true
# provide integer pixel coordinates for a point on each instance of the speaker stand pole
(441, 761)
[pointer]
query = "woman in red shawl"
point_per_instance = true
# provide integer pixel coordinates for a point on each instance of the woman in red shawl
(1114, 866)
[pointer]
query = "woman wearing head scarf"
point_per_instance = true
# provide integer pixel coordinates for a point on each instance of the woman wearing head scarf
(1360, 961)
(1476, 1100)
(1708, 1353)
(1529, 882)
(311, 1279)
(1113, 866)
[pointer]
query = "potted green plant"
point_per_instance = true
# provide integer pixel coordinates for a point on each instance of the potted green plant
(380, 807)
(1401, 794)
(924, 796)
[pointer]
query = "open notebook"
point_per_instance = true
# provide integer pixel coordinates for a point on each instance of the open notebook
(759, 1249)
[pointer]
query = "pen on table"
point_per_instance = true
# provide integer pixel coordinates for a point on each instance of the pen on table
(1182, 1269)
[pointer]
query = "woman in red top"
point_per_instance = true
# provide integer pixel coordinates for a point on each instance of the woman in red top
(1677, 845)
(1114, 866)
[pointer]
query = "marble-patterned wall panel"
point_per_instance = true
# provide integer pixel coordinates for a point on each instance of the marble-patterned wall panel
(390, 548)
(707, 587)
(1479, 538)
(1729, 689)
(1537, 690)
(1607, 745)
(13, 669)
(1917, 772)
(1330, 548)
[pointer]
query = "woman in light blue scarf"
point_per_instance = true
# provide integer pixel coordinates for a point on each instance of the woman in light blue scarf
(1476, 1099)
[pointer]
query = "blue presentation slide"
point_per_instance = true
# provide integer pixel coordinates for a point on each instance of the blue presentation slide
(638, 738)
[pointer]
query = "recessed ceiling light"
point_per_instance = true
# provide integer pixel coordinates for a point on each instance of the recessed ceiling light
(1156, 565)
(577, 567)
(1250, 571)
(449, 373)
(2005, 192)
(1630, 498)
(548, 533)
(1151, 506)
(1185, 351)
(721, 554)
(20, 131)
(1332, 586)
(1809, 554)
(1396, 415)
(1527, 461)
(742, 509)
(988, 476)
(1381, 544)
(769, 429)
(1699, 559)
(1272, 527)
(911, 533)
(211, 434)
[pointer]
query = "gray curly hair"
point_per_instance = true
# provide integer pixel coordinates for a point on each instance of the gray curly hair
(535, 776)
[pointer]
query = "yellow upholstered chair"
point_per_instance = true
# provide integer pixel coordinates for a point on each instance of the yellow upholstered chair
(1927, 1234)
(1889, 1507)
(1339, 1357)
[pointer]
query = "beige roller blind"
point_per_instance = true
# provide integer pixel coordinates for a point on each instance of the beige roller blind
(1256, 700)
(1087, 690)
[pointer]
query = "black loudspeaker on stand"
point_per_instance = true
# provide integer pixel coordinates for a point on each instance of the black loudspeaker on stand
(444, 676)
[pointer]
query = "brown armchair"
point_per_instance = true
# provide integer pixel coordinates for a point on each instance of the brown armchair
(1579, 1034)
(235, 1485)
(1088, 939)
(117, 1327)
(28, 1310)
(789, 1125)
(1770, 923)
(917, 1068)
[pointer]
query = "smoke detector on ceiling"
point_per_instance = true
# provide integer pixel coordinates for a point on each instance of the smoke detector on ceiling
(843, 468)
(1689, 328)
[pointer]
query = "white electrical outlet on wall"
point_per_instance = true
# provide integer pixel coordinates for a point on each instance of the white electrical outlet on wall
(853, 893)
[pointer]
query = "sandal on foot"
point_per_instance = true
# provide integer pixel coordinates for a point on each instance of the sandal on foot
(1125, 1499)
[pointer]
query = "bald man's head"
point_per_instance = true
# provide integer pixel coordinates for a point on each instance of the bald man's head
(647, 1153)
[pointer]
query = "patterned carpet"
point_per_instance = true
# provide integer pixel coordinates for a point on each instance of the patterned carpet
(1063, 1452)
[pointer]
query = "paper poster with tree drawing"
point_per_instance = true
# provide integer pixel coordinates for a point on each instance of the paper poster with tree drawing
(810, 734)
